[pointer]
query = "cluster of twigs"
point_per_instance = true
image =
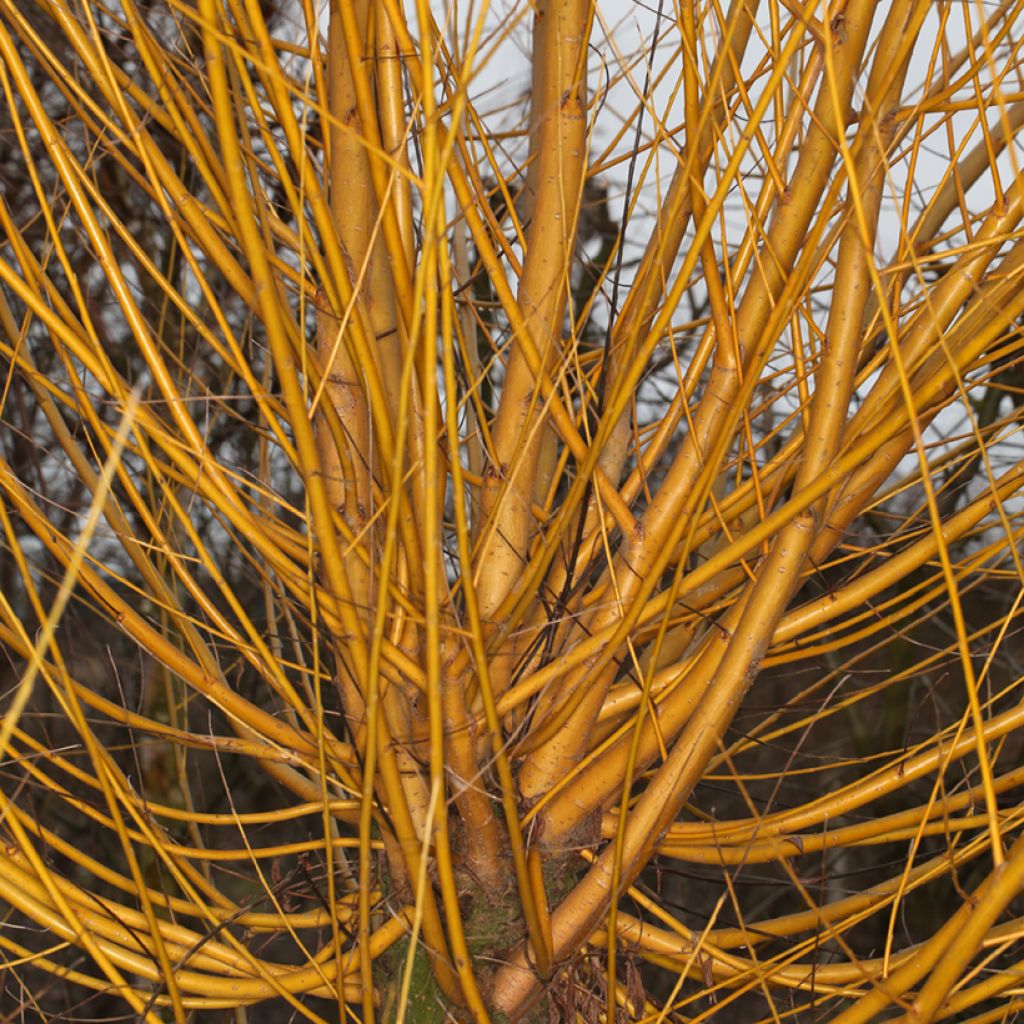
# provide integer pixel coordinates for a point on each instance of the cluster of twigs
(456, 563)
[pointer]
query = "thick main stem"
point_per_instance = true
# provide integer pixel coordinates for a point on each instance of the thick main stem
(560, 154)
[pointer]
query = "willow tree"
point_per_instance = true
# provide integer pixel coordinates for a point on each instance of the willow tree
(500, 541)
